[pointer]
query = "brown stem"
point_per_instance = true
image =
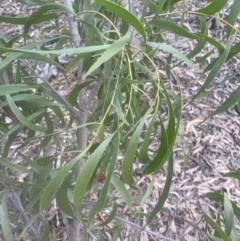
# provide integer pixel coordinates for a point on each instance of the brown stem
(75, 233)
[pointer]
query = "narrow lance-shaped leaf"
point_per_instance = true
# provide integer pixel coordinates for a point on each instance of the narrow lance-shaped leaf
(19, 126)
(234, 234)
(41, 58)
(228, 215)
(102, 199)
(168, 136)
(49, 132)
(87, 171)
(46, 230)
(21, 117)
(4, 218)
(165, 192)
(12, 89)
(232, 100)
(217, 197)
(232, 17)
(127, 166)
(14, 56)
(42, 10)
(215, 70)
(161, 156)
(222, 234)
(51, 188)
(109, 53)
(88, 49)
(120, 187)
(21, 21)
(124, 15)
(213, 7)
(233, 51)
(73, 96)
(33, 2)
(143, 154)
(235, 174)
(13, 20)
(62, 197)
(172, 27)
(111, 216)
(147, 193)
(12, 166)
(173, 51)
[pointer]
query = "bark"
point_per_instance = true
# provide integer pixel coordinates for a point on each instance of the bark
(75, 233)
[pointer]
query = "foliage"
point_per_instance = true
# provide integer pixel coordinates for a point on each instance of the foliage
(231, 210)
(121, 73)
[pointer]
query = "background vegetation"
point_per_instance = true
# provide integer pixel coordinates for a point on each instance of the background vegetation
(116, 106)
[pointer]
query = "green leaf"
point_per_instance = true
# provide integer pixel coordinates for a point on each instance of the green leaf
(109, 53)
(213, 238)
(49, 132)
(214, 71)
(74, 61)
(12, 166)
(124, 15)
(232, 100)
(14, 56)
(19, 126)
(73, 96)
(161, 152)
(41, 58)
(120, 187)
(89, 49)
(13, 20)
(37, 99)
(212, 41)
(21, 117)
(21, 21)
(29, 224)
(172, 27)
(13, 89)
(41, 11)
(4, 218)
(165, 192)
(31, 163)
(220, 198)
(228, 215)
(168, 136)
(33, 2)
(232, 17)
(87, 171)
(234, 234)
(111, 216)
(147, 194)
(143, 154)
(143, 68)
(48, 89)
(214, 7)
(62, 197)
(127, 165)
(235, 174)
(173, 51)
(46, 229)
(103, 197)
(222, 234)
(51, 188)
(169, 3)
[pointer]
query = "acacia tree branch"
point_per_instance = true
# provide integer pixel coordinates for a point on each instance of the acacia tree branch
(75, 234)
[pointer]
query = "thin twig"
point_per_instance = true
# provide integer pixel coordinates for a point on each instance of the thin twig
(141, 228)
